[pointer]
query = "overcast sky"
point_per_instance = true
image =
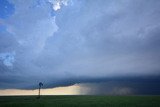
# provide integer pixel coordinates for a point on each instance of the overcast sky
(63, 42)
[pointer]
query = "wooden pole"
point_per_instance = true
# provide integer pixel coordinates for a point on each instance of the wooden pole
(39, 91)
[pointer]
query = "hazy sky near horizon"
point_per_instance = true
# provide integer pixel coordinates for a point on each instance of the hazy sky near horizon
(64, 42)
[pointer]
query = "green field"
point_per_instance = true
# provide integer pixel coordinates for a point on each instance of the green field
(80, 101)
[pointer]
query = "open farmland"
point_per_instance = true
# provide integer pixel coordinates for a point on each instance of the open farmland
(80, 101)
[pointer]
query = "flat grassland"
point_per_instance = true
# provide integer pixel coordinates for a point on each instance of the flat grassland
(80, 101)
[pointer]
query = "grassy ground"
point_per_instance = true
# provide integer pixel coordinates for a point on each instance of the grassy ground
(80, 101)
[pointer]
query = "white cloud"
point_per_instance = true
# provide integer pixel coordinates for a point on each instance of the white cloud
(56, 4)
(31, 25)
(8, 58)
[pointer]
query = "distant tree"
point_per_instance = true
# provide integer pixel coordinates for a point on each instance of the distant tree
(40, 85)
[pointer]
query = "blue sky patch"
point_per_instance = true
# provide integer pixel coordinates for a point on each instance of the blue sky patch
(6, 9)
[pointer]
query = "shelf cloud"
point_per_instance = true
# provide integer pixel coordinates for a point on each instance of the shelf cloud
(64, 42)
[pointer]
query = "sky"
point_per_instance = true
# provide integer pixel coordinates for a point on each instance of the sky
(109, 47)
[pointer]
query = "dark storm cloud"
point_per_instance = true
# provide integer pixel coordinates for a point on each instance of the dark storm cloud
(123, 86)
(83, 41)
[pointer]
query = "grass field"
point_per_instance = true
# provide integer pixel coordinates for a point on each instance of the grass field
(80, 101)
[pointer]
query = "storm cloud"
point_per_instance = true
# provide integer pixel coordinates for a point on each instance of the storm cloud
(78, 41)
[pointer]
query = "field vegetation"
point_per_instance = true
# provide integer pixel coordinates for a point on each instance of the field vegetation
(80, 101)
